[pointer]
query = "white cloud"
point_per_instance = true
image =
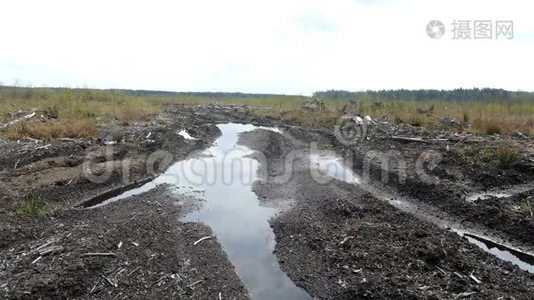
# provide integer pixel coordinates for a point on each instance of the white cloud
(260, 46)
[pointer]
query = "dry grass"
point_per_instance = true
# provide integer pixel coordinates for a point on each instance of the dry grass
(81, 104)
(484, 118)
(46, 131)
(66, 104)
(129, 114)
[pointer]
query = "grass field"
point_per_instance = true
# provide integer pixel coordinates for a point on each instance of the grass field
(484, 117)
(78, 111)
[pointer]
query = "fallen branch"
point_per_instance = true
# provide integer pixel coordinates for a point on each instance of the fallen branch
(99, 254)
(26, 117)
(408, 139)
(50, 250)
(441, 270)
(202, 239)
(345, 240)
(464, 295)
(133, 271)
(478, 281)
(43, 147)
(37, 259)
(112, 283)
(77, 141)
(44, 245)
(194, 283)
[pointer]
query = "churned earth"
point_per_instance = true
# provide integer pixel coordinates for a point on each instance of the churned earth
(334, 239)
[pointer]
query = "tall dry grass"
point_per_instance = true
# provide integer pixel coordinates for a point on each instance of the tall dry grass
(70, 128)
(87, 104)
(483, 117)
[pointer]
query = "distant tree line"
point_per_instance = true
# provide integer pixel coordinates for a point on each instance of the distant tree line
(426, 95)
(215, 95)
(485, 94)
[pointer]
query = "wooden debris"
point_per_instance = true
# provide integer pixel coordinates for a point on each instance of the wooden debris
(194, 283)
(441, 270)
(26, 117)
(408, 139)
(43, 147)
(99, 254)
(112, 283)
(36, 260)
(478, 281)
(133, 271)
(50, 250)
(44, 245)
(464, 295)
(345, 240)
(202, 239)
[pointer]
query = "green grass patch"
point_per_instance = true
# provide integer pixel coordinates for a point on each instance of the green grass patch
(36, 207)
(503, 157)
(527, 207)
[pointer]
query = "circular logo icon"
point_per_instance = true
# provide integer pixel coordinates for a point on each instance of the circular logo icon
(435, 29)
(349, 131)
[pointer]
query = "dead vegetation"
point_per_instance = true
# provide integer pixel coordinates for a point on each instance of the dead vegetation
(70, 128)
(485, 118)
(477, 117)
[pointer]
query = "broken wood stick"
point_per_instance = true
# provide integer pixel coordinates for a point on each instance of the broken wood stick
(202, 239)
(99, 254)
(476, 280)
(194, 283)
(37, 259)
(408, 139)
(26, 117)
(112, 283)
(50, 250)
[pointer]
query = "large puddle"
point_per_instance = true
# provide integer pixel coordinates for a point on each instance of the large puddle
(222, 176)
(333, 166)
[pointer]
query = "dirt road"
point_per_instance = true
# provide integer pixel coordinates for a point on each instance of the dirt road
(339, 242)
(334, 240)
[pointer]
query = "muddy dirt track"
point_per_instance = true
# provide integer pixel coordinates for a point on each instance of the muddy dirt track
(335, 240)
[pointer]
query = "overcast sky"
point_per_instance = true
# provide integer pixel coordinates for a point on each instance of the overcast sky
(271, 46)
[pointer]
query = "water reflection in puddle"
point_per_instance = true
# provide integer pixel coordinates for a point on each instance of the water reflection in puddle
(522, 260)
(484, 196)
(233, 212)
(224, 173)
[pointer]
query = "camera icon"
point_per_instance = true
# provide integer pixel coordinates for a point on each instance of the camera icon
(435, 29)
